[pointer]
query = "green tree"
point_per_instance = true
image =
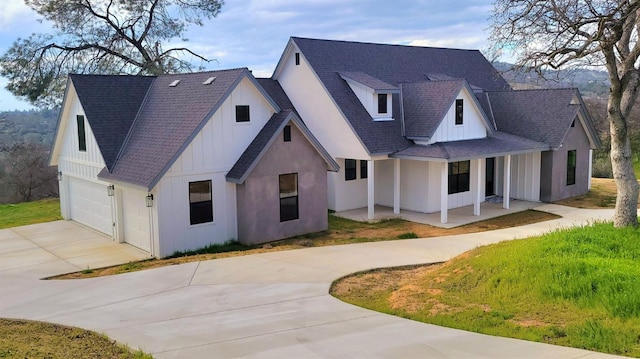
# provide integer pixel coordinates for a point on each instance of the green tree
(101, 37)
(565, 33)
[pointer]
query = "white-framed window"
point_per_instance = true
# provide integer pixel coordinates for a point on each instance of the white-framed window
(200, 202)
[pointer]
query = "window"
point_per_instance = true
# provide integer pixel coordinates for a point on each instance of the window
(571, 167)
(82, 137)
(288, 197)
(363, 169)
(200, 203)
(459, 177)
(349, 169)
(459, 108)
(382, 103)
(297, 58)
(286, 133)
(573, 124)
(242, 113)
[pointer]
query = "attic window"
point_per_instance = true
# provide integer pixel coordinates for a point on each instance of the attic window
(382, 103)
(242, 113)
(459, 114)
(297, 58)
(174, 83)
(209, 81)
(287, 133)
(573, 124)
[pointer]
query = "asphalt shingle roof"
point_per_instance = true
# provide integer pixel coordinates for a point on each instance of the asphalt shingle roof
(169, 118)
(498, 144)
(369, 81)
(541, 115)
(393, 64)
(425, 104)
(275, 91)
(110, 104)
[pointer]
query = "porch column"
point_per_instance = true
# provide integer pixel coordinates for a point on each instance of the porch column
(396, 186)
(476, 185)
(506, 186)
(444, 193)
(370, 189)
(590, 168)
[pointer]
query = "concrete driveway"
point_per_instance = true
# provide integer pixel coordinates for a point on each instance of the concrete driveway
(273, 305)
(40, 250)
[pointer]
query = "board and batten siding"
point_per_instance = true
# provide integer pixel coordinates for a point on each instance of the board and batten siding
(525, 176)
(369, 100)
(473, 126)
(211, 154)
(346, 195)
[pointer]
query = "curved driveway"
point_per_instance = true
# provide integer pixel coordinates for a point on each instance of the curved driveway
(273, 305)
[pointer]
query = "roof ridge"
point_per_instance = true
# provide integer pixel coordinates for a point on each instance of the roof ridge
(541, 89)
(383, 44)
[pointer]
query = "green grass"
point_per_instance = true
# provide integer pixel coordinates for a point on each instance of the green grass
(578, 288)
(14, 215)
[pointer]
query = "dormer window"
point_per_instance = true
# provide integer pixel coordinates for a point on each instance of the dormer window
(382, 103)
(459, 111)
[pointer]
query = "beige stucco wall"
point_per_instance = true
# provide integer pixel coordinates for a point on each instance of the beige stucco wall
(258, 197)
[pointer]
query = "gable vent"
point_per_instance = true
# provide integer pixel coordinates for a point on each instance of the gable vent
(209, 80)
(174, 83)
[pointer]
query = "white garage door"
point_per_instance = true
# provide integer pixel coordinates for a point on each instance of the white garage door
(135, 215)
(90, 205)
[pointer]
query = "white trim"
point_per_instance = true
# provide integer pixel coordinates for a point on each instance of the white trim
(82, 162)
(590, 167)
(396, 186)
(506, 186)
(476, 185)
(444, 193)
(370, 189)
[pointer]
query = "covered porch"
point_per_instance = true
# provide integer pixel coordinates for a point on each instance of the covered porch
(456, 217)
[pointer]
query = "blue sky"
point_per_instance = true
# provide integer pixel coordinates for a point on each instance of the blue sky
(253, 33)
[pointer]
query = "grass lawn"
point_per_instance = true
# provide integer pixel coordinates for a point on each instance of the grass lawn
(27, 339)
(341, 231)
(576, 287)
(13, 215)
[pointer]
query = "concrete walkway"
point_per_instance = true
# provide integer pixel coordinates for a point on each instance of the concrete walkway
(274, 305)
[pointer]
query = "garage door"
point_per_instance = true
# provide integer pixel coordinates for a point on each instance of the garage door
(135, 215)
(90, 205)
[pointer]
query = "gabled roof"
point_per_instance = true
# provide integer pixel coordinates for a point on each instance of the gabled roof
(259, 146)
(110, 104)
(425, 105)
(392, 64)
(169, 119)
(368, 81)
(275, 91)
(542, 115)
(498, 144)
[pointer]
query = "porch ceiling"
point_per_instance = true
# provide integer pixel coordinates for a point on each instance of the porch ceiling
(499, 144)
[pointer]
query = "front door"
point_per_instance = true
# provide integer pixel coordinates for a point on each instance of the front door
(490, 170)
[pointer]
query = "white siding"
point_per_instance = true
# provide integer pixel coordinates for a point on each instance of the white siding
(369, 99)
(415, 185)
(347, 194)
(209, 156)
(525, 176)
(317, 109)
(473, 124)
(136, 218)
(384, 182)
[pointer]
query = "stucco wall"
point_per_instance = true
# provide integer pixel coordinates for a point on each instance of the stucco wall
(553, 176)
(259, 201)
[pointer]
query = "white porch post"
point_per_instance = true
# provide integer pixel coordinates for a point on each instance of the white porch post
(506, 186)
(444, 193)
(370, 189)
(590, 167)
(396, 186)
(476, 185)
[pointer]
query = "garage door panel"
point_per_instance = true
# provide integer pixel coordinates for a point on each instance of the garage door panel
(135, 215)
(90, 205)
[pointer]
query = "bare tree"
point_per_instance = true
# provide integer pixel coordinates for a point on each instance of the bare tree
(564, 33)
(27, 171)
(101, 37)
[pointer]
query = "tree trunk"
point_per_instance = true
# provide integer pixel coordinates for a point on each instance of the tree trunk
(626, 213)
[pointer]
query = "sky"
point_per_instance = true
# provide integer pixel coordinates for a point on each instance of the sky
(253, 33)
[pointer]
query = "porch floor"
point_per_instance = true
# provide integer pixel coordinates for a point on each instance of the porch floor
(456, 217)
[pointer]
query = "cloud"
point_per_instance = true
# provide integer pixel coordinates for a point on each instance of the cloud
(13, 13)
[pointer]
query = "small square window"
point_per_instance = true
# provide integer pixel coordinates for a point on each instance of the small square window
(382, 103)
(286, 133)
(242, 113)
(288, 197)
(459, 112)
(349, 169)
(200, 202)
(82, 136)
(297, 58)
(363, 169)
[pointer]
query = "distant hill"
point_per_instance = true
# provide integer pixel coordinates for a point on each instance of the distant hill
(33, 126)
(591, 83)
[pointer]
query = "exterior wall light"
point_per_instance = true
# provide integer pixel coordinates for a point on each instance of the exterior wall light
(110, 190)
(149, 200)
(59, 176)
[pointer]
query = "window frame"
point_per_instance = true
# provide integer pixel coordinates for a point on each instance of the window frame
(297, 58)
(459, 177)
(240, 114)
(459, 111)
(286, 133)
(82, 133)
(350, 169)
(383, 109)
(287, 199)
(364, 170)
(571, 167)
(195, 216)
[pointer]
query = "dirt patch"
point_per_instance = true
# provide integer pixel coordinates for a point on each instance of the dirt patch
(527, 323)
(602, 195)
